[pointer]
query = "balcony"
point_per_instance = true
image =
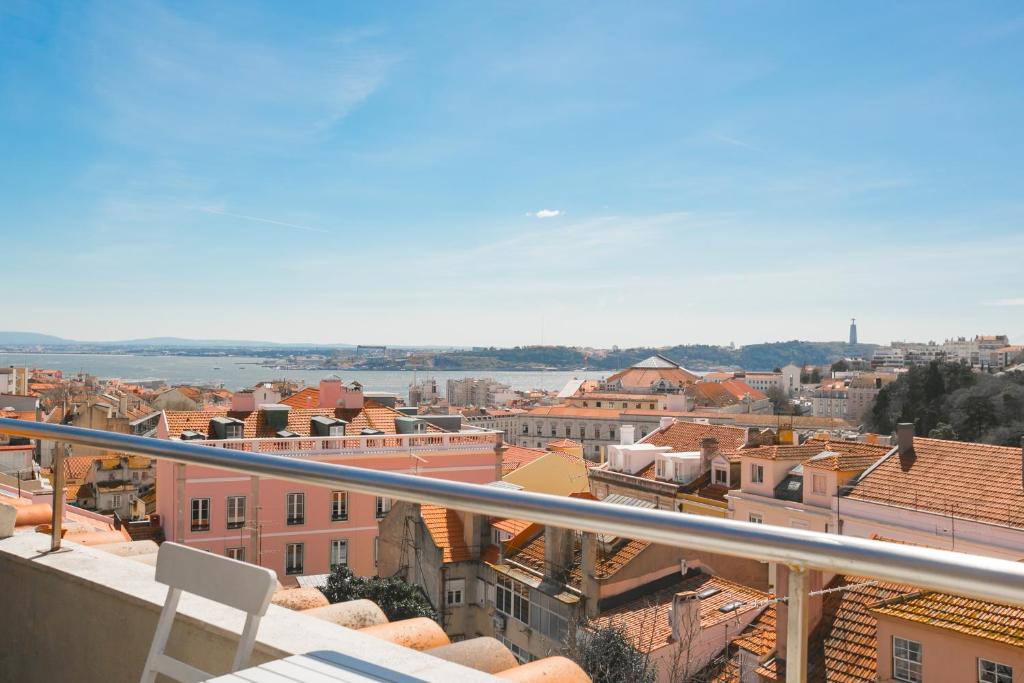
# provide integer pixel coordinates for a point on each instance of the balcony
(316, 447)
(54, 597)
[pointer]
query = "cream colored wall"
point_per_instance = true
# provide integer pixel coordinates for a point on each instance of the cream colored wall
(551, 474)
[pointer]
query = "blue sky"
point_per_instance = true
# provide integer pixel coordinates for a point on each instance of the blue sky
(511, 173)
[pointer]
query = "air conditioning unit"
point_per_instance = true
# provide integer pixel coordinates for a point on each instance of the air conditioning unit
(499, 621)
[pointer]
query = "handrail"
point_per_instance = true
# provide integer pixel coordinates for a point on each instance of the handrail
(983, 578)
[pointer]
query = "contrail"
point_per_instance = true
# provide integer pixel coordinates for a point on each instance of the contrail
(265, 220)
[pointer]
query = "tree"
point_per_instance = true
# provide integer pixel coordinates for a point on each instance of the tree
(608, 657)
(811, 377)
(841, 365)
(395, 596)
(942, 430)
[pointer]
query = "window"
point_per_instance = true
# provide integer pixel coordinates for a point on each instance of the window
(481, 592)
(233, 431)
(236, 553)
(293, 558)
(521, 655)
(659, 469)
(236, 512)
(548, 623)
(339, 506)
(295, 508)
(755, 518)
(526, 428)
(115, 500)
(200, 514)
(455, 591)
(499, 536)
(906, 660)
(568, 430)
(721, 476)
(756, 474)
(611, 433)
(991, 672)
(339, 553)
(513, 598)
(135, 476)
(383, 507)
(818, 484)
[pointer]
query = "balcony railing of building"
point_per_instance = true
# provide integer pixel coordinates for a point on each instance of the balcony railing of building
(983, 578)
(318, 446)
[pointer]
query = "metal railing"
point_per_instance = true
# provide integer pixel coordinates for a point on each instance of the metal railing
(983, 578)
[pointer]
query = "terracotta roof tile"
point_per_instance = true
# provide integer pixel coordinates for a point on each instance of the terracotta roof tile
(517, 456)
(532, 555)
(684, 437)
(978, 618)
(309, 397)
(973, 480)
(646, 621)
(445, 527)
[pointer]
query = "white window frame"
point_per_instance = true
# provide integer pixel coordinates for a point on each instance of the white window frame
(339, 553)
(383, 507)
(455, 592)
(235, 506)
(756, 473)
(293, 552)
(235, 553)
(295, 508)
(659, 469)
(115, 500)
(202, 506)
(339, 506)
(755, 518)
(995, 673)
(724, 472)
(906, 666)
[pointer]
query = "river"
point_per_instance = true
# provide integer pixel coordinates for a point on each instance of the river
(239, 372)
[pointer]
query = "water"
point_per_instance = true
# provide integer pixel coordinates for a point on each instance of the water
(239, 372)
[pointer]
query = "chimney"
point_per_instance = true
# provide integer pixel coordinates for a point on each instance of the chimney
(588, 568)
(330, 392)
(559, 550)
(708, 448)
(684, 617)
(666, 422)
(243, 401)
(626, 433)
(905, 438)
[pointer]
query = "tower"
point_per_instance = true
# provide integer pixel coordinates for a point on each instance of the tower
(853, 330)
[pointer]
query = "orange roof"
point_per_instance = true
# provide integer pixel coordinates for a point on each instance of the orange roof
(372, 415)
(511, 526)
(76, 467)
(517, 456)
(740, 389)
(686, 436)
(532, 555)
(971, 480)
(308, 397)
(843, 646)
(977, 618)
(645, 620)
(759, 638)
(564, 443)
(446, 529)
(848, 456)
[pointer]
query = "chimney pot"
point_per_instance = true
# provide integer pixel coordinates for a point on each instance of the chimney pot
(905, 437)
(626, 435)
(666, 422)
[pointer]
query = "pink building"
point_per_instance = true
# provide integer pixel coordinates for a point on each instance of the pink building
(298, 529)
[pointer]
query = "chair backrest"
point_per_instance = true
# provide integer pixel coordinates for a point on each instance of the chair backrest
(243, 586)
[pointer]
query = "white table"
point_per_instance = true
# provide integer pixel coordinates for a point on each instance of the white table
(317, 667)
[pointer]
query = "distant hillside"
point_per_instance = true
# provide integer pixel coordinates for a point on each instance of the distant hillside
(696, 356)
(29, 339)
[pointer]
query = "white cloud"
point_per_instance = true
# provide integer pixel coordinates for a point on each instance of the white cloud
(1004, 302)
(545, 213)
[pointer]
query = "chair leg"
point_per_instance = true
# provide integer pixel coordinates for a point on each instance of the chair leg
(163, 633)
(246, 642)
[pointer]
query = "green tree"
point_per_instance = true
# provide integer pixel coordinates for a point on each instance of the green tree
(395, 596)
(942, 431)
(607, 656)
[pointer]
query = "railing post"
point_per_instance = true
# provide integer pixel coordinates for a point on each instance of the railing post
(58, 497)
(797, 625)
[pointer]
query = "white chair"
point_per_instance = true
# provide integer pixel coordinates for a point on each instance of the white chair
(243, 586)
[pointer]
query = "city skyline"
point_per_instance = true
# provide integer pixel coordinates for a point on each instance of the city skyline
(667, 174)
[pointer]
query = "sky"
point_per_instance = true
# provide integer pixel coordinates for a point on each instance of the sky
(508, 173)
